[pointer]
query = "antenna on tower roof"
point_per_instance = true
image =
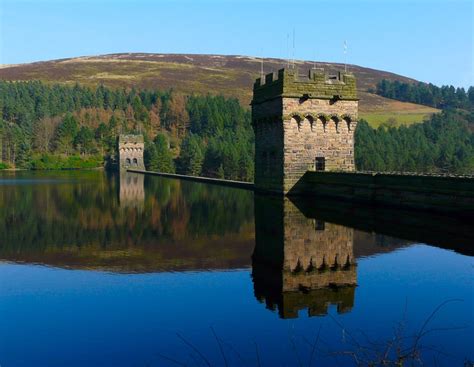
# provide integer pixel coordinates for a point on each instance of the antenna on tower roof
(345, 56)
(287, 50)
(293, 59)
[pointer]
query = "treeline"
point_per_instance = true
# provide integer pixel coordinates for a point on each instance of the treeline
(57, 126)
(219, 143)
(427, 94)
(39, 120)
(443, 144)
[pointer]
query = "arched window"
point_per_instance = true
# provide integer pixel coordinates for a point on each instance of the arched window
(135, 162)
(128, 161)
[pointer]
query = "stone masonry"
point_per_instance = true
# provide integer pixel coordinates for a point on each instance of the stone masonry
(299, 262)
(302, 123)
(130, 148)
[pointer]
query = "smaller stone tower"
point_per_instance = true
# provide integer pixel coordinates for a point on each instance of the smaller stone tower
(301, 123)
(130, 148)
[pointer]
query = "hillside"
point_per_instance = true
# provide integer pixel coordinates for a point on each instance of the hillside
(231, 76)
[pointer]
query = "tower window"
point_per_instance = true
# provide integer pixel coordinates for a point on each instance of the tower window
(319, 225)
(320, 164)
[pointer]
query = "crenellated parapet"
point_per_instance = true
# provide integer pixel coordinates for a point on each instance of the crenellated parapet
(271, 287)
(314, 85)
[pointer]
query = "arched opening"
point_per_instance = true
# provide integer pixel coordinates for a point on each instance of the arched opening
(296, 119)
(298, 268)
(135, 162)
(128, 161)
(347, 265)
(335, 120)
(310, 119)
(347, 120)
(323, 122)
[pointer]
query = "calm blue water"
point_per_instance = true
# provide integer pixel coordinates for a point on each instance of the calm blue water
(162, 274)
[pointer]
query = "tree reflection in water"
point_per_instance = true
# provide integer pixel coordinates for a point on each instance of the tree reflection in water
(128, 223)
(302, 255)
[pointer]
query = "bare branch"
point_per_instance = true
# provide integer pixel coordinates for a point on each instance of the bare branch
(220, 346)
(194, 348)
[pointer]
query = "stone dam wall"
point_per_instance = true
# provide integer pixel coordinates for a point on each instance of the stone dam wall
(433, 193)
(437, 193)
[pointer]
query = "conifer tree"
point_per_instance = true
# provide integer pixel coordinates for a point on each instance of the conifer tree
(164, 158)
(191, 156)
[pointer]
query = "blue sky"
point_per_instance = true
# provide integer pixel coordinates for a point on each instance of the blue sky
(428, 40)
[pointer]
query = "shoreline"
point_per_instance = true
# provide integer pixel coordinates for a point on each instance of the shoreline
(52, 169)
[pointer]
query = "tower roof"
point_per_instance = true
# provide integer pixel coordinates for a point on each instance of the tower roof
(316, 84)
(130, 138)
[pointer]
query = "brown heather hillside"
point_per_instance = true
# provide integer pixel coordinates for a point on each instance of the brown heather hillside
(232, 76)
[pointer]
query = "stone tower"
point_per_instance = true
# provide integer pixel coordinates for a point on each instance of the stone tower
(302, 123)
(130, 148)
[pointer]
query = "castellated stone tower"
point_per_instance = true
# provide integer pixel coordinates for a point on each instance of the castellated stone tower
(130, 149)
(302, 123)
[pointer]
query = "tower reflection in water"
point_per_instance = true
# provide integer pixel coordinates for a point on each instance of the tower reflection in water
(132, 189)
(301, 263)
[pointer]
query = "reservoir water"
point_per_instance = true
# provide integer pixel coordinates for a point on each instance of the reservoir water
(98, 269)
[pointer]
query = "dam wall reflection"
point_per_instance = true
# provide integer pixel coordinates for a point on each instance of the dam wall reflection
(299, 262)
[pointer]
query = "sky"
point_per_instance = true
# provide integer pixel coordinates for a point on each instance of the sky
(428, 40)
